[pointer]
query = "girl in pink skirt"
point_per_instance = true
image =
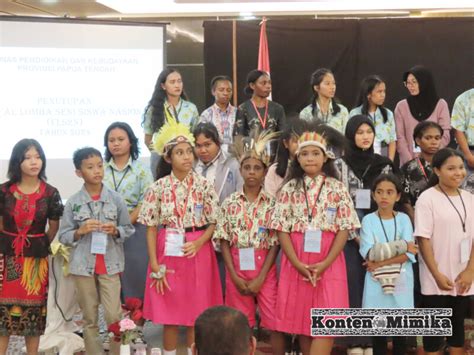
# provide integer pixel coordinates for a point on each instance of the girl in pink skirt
(313, 216)
(179, 212)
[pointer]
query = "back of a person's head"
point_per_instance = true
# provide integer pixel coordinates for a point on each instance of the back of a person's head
(222, 331)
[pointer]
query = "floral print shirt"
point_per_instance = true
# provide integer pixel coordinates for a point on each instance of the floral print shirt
(247, 118)
(246, 224)
(167, 196)
(333, 211)
(186, 112)
(223, 120)
(462, 117)
(416, 174)
(337, 121)
(130, 182)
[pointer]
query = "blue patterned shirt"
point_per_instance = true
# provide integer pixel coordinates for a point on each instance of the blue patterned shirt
(462, 118)
(186, 112)
(131, 182)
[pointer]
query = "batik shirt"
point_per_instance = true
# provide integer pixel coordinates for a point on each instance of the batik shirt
(333, 212)
(462, 118)
(247, 118)
(168, 195)
(337, 121)
(131, 182)
(415, 176)
(223, 120)
(237, 224)
(186, 112)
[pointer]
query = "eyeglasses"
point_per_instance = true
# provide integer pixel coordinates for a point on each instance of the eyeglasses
(410, 83)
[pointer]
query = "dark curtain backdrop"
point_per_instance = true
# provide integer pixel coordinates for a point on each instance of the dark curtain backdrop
(351, 48)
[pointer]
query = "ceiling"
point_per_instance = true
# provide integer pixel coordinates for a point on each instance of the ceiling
(169, 9)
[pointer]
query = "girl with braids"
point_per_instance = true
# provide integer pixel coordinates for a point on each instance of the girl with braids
(323, 106)
(168, 101)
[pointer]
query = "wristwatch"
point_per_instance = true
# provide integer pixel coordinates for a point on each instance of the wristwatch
(160, 273)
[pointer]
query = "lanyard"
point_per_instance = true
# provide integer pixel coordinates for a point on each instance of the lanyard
(394, 222)
(463, 223)
(248, 222)
(264, 120)
(420, 165)
(116, 187)
(179, 211)
(173, 111)
(361, 179)
(311, 211)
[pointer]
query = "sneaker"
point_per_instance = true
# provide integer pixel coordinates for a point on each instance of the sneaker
(355, 351)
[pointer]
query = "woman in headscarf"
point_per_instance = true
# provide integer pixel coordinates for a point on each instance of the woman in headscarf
(358, 168)
(423, 103)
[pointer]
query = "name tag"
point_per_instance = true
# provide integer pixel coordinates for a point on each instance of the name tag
(465, 250)
(174, 242)
(98, 243)
(377, 146)
(331, 214)
(198, 211)
(247, 259)
(362, 199)
(312, 241)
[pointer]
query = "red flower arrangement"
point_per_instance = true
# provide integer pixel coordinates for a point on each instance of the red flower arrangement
(133, 308)
(125, 331)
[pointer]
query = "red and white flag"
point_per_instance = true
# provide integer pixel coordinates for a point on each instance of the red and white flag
(263, 52)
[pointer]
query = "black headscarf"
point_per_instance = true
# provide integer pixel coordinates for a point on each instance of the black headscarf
(365, 164)
(423, 104)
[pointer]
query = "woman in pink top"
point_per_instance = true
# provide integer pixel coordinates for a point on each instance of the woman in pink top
(444, 227)
(422, 104)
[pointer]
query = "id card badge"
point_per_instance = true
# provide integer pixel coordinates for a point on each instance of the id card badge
(98, 243)
(174, 242)
(401, 284)
(377, 146)
(362, 199)
(312, 240)
(465, 250)
(331, 214)
(247, 259)
(198, 211)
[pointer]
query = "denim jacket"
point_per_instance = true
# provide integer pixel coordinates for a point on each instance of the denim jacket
(109, 208)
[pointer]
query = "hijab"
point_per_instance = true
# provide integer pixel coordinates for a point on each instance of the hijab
(422, 105)
(365, 164)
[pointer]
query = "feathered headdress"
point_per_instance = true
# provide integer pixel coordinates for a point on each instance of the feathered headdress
(320, 135)
(257, 146)
(170, 134)
(314, 139)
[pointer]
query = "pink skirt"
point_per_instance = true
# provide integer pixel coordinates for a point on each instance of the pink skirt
(195, 285)
(296, 296)
(266, 297)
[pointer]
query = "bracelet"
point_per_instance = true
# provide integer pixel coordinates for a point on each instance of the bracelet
(160, 273)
